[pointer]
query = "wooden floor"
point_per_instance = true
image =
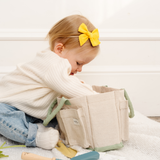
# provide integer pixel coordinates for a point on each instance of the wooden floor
(155, 118)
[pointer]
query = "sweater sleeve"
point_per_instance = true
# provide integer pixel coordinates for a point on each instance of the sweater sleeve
(58, 79)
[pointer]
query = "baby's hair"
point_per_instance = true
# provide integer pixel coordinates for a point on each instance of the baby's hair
(66, 32)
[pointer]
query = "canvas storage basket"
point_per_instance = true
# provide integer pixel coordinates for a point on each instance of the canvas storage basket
(99, 122)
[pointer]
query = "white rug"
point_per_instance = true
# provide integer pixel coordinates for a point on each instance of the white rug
(144, 144)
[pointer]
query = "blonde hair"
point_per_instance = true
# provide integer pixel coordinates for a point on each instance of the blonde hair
(66, 32)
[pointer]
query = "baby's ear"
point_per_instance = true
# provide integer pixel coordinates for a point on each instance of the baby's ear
(58, 48)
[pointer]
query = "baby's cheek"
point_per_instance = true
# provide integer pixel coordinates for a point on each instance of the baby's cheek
(73, 69)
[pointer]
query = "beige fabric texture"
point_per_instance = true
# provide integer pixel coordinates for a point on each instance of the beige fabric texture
(95, 120)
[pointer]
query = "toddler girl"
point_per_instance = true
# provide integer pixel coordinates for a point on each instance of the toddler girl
(27, 93)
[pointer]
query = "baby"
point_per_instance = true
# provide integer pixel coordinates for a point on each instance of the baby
(27, 93)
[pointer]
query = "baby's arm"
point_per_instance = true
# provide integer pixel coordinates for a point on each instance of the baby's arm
(58, 79)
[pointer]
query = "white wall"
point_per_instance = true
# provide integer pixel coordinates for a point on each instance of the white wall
(129, 34)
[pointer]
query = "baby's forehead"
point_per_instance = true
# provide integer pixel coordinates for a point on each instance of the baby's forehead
(87, 52)
(85, 57)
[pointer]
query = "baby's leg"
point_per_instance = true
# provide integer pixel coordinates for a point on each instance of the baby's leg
(15, 125)
(20, 127)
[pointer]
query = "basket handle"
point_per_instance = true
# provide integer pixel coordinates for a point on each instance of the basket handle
(51, 114)
(131, 114)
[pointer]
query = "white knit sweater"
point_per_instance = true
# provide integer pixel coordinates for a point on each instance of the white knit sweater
(33, 86)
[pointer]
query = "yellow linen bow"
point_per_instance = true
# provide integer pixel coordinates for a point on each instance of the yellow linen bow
(93, 36)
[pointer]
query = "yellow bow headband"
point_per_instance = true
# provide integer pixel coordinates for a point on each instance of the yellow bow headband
(93, 36)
